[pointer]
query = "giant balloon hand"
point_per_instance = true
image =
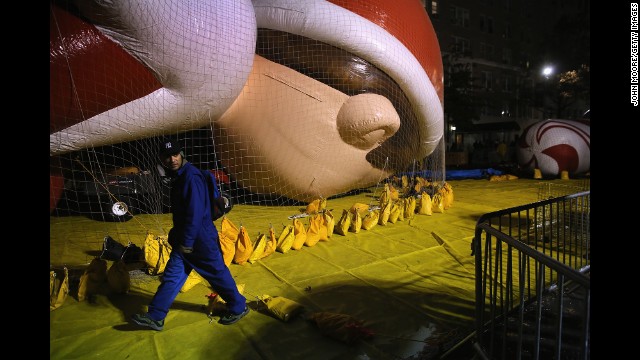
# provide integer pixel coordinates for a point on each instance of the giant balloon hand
(310, 97)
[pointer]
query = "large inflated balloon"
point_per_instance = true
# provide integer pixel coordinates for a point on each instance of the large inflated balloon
(139, 68)
(556, 145)
(307, 97)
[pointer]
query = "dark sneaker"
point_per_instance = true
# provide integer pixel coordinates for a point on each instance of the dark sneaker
(230, 318)
(145, 320)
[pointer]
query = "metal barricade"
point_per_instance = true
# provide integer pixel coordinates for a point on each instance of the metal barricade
(532, 280)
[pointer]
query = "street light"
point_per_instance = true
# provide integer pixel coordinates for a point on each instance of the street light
(547, 71)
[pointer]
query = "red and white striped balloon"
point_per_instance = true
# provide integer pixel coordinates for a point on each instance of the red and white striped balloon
(556, 145)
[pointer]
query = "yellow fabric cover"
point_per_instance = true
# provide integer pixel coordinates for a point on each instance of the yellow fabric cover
(282, 308)
(228, 235)
(300, 234)
(341, 327)
(258, 248)
(244, 247)
(370, 219)
(118, 277)
(58, 287)
(329, 222)
(192, 280)
(285, 240)
(425, 204)
(156, 253)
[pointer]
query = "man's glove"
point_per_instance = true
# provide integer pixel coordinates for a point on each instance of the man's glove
(185, 249)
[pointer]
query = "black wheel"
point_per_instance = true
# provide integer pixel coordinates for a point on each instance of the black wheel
(107, 209)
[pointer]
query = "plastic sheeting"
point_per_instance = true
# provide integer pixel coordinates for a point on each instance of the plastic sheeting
(411, 283)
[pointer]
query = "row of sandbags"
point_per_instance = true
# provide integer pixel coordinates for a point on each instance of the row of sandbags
(238, 247)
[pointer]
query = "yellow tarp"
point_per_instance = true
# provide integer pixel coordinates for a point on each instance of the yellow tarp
(408, 281)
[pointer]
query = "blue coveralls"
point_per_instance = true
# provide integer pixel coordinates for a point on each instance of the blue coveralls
(192, 227)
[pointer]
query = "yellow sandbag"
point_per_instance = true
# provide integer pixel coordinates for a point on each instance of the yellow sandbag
(401, 207)
(370, 219)
(417, 187)
(285, 240)
(300, 234)
(437, 203)
(282, 308)
(323, 204)
(342, 227)
(118, 277)
(86, 288)
(356, 222)
(447, 196)
(394, 213)
(329, 222)
(405, 181)
(394, 194)
(244, 247)
(425, 204)
(258, 248)
(192, 280)
(315, 230)
(385, 212)
(271, 243)
(385, 197)
(312, 207)
(92, 278)
(58, 287)
(228, 236)
(97, 270)
(156, 253)
(409, 207)
(359, 208)
(218, 305)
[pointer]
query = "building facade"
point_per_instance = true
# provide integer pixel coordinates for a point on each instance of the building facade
(494, 53)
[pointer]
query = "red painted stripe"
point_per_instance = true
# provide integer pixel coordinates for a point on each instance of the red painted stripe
(88, 73)
(566, 156)
(556, 124)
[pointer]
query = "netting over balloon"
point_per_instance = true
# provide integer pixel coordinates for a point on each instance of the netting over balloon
(284, 101)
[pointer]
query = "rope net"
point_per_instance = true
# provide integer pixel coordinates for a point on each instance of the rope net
(281, 115)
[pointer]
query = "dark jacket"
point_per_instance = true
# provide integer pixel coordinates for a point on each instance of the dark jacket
(190, 207)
